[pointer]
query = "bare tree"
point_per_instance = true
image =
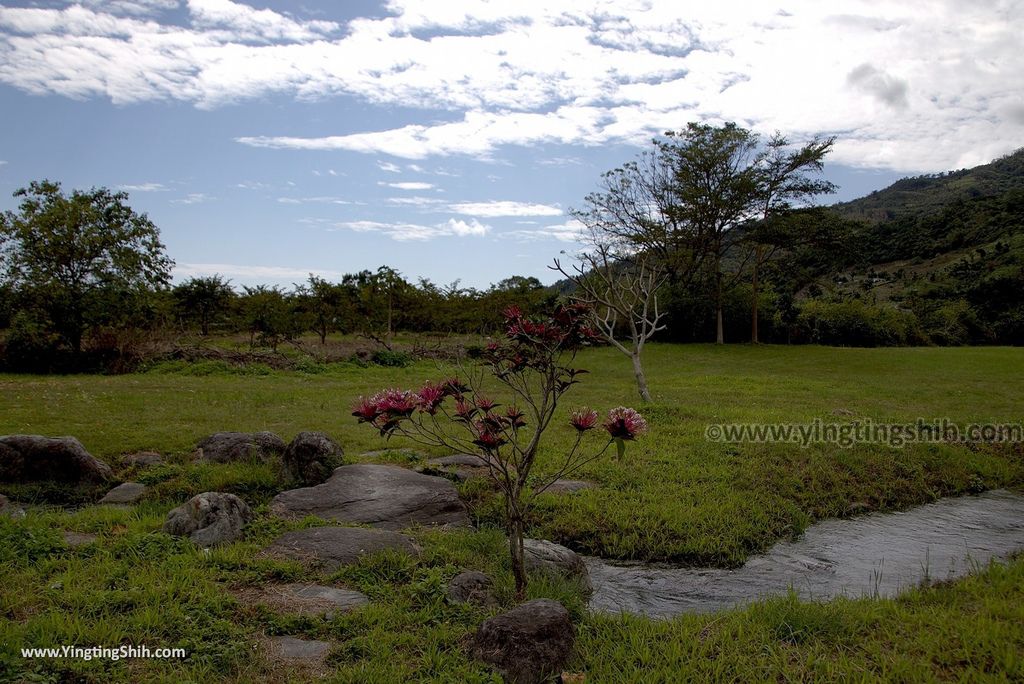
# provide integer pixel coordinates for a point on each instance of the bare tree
(622, 294)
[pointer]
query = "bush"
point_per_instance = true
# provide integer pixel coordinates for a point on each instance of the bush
(856, 323)
(391, 359)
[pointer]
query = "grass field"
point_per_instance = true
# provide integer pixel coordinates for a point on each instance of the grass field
(676, 496)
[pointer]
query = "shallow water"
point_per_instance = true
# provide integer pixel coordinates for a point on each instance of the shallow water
(876, 555)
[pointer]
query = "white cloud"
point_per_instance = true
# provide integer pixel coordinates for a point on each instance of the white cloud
(570, 231)
(408, 185)
(193, 198)
(504, 208)
(2, 162)
(389, 167)
(415, 201)
(308, 200)
(906, 86)
(404, 232)
(143, 187)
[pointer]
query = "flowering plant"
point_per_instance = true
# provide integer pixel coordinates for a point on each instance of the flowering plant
(533, 366)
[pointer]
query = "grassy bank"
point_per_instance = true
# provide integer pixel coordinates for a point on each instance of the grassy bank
(676, 496)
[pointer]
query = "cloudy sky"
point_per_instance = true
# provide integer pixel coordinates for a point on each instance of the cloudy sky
(450, 138)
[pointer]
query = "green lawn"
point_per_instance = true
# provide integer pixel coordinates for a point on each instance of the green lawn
(676, 496)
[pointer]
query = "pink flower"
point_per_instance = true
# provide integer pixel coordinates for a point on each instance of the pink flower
(583, 419)
(395, 402)
(463, 409)
(430, 398)
(512, 313)
(453, 387)
(484, 404)
(365, 410)
(514, 417)
(625, 423)
(486, 437)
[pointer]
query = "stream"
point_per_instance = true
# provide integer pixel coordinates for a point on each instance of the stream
(877, 554)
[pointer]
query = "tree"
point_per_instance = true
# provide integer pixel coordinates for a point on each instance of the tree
(533, 367)
(68, 255)
(202, 299)
(715, 186)
(783, 182)
(328, 304)
(620, 291)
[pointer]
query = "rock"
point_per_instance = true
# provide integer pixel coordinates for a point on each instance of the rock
(457, 467)
(380, 495)
(527, 644)
(845, 412)
(465, 460)
(405, 454)
(473, 587)
(542, 556)
(333, 547)
(26, 458)
(209, 519)
(226, 447)
(143, 458)
(311, 457)
(126, 493)
(298, 651)
(306, 599)
(568, 486)
(9, 509)
(76, 539)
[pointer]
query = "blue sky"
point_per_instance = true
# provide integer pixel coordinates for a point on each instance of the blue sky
(450, 139)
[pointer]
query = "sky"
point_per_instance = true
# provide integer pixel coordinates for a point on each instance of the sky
(451, 139)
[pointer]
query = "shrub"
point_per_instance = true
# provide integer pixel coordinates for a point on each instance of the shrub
(856, 323)
(391, 359)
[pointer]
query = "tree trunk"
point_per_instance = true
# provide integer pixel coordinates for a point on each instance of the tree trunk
(720, 331)
(515, 547)
(641, 379)
(754, 292)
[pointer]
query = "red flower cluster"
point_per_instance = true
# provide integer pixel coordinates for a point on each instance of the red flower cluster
(583, 419)
(625, 423)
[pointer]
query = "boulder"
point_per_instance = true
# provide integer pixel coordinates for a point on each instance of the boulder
(227, 447)
(27, 458)
(545, 557)
(568, 486)
(142, 459)
(529, 643)
(9, 509)
(125, 493)
(311, 457)
(209, 519)
(473, 587)
(334, 547)
(379, 495)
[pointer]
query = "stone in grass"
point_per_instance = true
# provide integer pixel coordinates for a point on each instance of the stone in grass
(292, 651)
(529, 643)
(458, 467)
(31, 458)
(380, 495)
(472, 587)
(312, 600)
(545, 557)
(568, 486)
(334, 547)
(76, 539)
(209, 519)
(125, 493)
(228, 447)
(142, 459)
(9, 509)
(311, 457)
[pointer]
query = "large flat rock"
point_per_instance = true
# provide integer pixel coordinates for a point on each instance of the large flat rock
(384, 496)
(305, 599)
(334, 547)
